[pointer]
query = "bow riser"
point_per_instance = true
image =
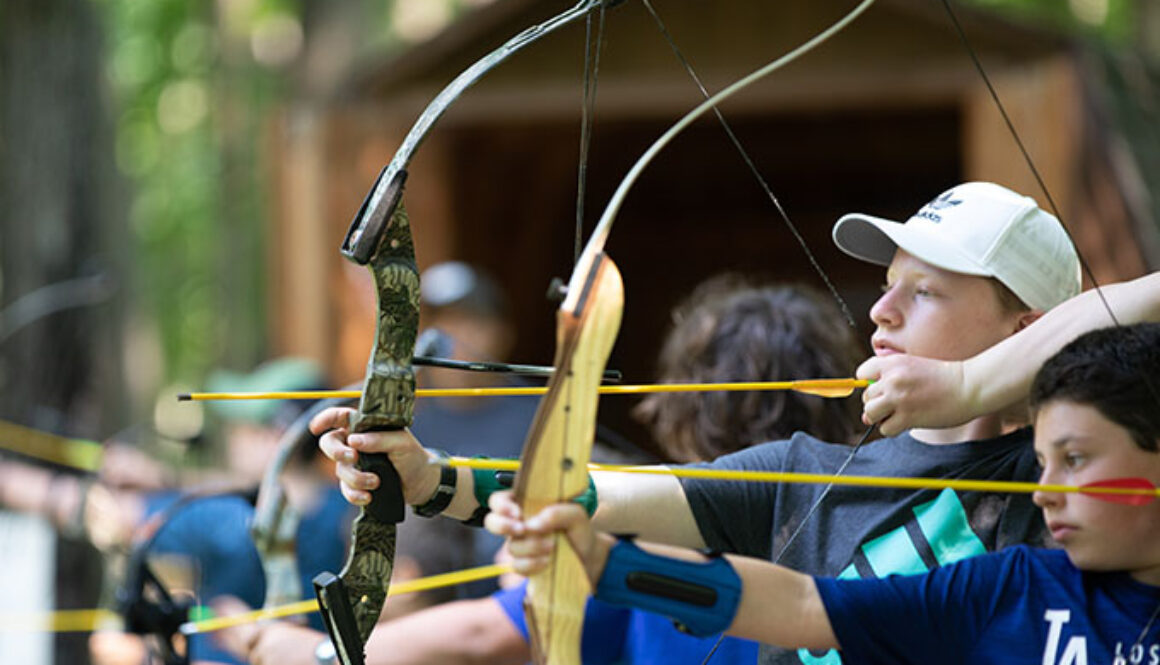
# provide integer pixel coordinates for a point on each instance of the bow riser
(387, 403)
(558, 450)
(388, 399)
(380, 239)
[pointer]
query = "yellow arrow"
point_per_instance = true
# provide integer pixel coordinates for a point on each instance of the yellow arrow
(74, 453)
(819, 387)
(966, 485)
(307, 606)
(59, 621)
(95, 619)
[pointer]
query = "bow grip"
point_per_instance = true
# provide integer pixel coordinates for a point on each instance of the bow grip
(386, 504)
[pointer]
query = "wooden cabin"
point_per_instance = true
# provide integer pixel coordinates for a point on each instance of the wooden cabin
(879, 119)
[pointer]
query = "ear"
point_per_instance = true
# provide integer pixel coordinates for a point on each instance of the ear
(1026, 318)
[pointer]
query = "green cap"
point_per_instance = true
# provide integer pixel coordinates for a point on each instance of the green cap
(278, 375)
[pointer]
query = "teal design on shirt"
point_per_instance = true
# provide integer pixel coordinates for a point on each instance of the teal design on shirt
(947, 529)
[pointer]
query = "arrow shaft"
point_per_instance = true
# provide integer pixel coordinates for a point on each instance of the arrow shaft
(962, 484)
(806, 386)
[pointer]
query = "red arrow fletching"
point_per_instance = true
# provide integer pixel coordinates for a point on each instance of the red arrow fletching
(1146, 491)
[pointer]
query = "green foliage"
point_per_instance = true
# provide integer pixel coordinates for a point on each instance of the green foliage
(193, 82)
(176, 88)
(1109, 20)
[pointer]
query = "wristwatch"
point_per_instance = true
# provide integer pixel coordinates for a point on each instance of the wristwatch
(444, 492)
(324, 652)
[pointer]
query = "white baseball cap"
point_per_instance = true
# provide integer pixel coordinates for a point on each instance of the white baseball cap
(977, 228)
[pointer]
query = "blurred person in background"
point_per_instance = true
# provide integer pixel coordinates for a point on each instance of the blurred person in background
(199, 539)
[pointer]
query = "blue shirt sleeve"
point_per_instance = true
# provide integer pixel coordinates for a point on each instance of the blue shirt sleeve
(933, 617)
(512, 602)
(605, 626)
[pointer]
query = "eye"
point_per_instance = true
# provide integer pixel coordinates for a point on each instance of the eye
(925, 290)
(884, 288)
(1073, 459)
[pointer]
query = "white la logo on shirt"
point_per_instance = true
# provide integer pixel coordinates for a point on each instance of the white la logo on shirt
(1075, 653)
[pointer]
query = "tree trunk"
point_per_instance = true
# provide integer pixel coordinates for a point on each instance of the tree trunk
(60, 363)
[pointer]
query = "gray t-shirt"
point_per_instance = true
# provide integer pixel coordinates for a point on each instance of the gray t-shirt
(868, 532)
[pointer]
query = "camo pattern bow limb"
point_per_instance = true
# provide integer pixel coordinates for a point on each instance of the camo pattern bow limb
(556, 453)
(352, 602)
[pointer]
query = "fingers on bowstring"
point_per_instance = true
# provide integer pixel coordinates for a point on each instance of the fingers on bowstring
(870, 369)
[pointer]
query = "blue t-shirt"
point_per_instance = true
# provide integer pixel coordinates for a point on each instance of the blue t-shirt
(213, 534)
(1021, 605)
(614, 634)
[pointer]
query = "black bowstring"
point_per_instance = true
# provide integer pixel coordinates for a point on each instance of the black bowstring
(592, 48)
(753, 167)
(1026, 154)
(587, 110)
(1144, 378)
(805, 248)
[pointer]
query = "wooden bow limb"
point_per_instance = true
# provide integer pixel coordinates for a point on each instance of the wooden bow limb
(558, 448)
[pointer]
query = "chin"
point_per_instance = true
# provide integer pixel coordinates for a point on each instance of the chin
(1084, 559)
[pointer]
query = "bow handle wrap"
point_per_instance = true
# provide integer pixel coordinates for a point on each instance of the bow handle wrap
(556, 454)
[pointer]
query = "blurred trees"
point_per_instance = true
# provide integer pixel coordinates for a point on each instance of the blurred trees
(62, 247)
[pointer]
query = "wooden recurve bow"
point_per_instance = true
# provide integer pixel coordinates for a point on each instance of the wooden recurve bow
(556, 453)
(553, 465)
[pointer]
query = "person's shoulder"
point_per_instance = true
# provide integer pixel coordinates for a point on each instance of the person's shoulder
(1024, 559)
(220, 521)
(800, 450)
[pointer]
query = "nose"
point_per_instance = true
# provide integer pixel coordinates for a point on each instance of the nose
(885, 313)
(1046, 499)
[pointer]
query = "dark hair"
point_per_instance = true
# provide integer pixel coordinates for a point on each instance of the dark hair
(728, 330)
(1113, 370)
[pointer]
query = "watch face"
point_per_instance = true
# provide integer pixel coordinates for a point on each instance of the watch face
(324, 652)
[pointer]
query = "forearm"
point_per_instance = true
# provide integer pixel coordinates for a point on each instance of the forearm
(459, 633)
(780, 606)
(1003, 374)
(777, 605)
(33, 490)
(652, 507)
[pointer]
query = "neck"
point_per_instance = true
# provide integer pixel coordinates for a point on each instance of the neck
(985, 427)
(1149, 576)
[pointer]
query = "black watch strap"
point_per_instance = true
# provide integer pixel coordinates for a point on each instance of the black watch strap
(444, 492)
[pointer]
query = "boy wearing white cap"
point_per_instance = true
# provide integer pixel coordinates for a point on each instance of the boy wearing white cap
(966, 272)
